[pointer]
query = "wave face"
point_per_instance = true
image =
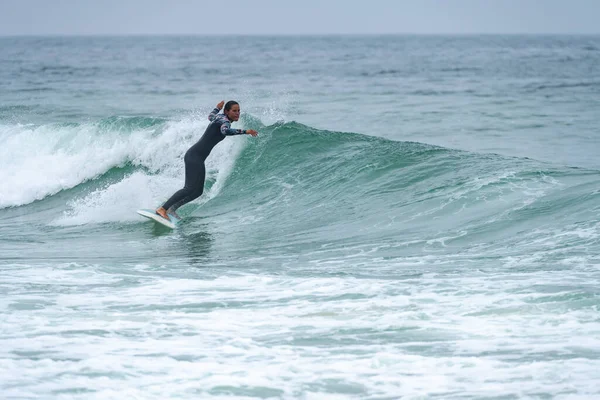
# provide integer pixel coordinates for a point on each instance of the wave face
(319, 185)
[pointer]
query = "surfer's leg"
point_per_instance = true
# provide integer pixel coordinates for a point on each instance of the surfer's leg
(194, 177)
(196, 189)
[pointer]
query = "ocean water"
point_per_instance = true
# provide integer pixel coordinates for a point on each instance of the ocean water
(417, 219)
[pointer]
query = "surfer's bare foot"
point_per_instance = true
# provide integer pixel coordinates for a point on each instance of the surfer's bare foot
(163, 213)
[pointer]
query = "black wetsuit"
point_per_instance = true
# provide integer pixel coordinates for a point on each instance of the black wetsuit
(195, 171)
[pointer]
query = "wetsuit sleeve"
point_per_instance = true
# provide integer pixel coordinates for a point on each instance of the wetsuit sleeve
(227, 130)
(213, 114)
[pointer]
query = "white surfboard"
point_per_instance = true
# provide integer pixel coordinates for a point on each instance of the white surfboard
(153, 215)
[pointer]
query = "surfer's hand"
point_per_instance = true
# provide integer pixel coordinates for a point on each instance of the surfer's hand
(251, 132)
(220, 105)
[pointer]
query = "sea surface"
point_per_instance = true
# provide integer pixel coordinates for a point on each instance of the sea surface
(419, 218)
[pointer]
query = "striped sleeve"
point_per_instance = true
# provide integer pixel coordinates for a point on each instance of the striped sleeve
(213, 114)
(227, 130)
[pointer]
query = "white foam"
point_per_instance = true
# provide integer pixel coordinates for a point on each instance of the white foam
(480, 335)
(116, 202)
(36, 162)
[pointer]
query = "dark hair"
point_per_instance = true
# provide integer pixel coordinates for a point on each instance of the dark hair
(230, 104)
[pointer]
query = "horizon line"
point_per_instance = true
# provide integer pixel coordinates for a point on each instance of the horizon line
(303, 34)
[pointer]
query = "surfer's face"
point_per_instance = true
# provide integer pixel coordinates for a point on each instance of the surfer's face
(233, 113)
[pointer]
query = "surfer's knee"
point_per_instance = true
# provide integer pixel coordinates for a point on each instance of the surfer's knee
(197, 193)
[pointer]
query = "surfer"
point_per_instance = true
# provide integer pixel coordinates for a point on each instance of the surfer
(195, 172)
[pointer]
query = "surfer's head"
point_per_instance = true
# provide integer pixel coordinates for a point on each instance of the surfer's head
(232, 110)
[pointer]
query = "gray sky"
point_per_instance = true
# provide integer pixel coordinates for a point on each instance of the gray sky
(85, 17)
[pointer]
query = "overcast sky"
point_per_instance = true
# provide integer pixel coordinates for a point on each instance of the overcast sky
(116, 17)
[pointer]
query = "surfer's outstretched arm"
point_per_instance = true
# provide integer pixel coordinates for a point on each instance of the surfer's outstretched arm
(227, 130)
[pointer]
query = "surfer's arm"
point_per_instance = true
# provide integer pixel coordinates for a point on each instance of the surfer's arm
(227, 130)
(215, 111)
(213, 114)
